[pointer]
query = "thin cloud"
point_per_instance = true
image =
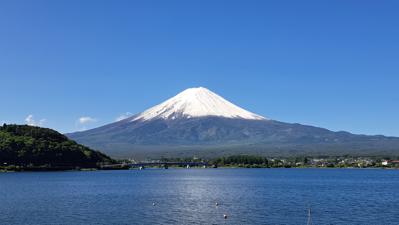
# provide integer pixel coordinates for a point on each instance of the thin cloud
(124, 116)
(32, 122)
(86, 120)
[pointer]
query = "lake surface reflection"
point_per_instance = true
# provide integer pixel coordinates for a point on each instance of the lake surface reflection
(189, 196)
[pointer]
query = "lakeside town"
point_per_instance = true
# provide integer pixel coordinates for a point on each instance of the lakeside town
(248, 161)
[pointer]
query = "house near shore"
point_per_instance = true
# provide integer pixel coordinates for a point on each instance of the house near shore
(390, 163)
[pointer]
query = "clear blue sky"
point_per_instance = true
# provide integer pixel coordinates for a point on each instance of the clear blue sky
(333, 64)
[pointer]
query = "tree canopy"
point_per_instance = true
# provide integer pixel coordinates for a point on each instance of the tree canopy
(29, 145)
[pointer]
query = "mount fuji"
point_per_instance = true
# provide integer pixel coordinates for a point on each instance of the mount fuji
(196, 102)
(202, 123)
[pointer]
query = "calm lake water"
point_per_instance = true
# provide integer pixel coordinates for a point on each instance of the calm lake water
(188, 196)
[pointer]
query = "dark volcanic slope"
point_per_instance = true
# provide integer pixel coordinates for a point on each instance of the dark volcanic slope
(211, 136)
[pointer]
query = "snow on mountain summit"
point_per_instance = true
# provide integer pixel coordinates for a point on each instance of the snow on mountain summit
(196, 102)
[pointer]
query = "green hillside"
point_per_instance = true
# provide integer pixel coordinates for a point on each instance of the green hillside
(28, 146)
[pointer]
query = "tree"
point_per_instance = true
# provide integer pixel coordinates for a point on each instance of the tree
(24, 145)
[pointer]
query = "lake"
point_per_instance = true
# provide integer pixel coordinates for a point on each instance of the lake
(189, 196)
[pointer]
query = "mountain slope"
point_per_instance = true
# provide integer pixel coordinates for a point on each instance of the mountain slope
(27, 145)
(196, 102)
(199, 122)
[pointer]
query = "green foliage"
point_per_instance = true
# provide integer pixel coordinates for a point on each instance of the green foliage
(241, 160)
(28, 145)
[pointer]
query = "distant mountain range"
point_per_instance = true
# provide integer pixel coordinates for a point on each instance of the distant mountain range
(198, 122)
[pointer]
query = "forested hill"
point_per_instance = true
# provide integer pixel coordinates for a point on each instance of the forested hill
(26, 146)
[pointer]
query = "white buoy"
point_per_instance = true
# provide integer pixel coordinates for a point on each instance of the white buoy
(153, 204)
(225, 216)
(217, 204)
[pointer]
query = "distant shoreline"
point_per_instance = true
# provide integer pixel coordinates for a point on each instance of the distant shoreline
(196, 168)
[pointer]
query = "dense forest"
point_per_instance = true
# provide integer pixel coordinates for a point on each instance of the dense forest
(28, 146)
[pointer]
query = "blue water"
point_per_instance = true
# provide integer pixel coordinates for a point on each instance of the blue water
(188, 196)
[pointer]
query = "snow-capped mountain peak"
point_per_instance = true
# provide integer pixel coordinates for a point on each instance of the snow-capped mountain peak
(196, 102)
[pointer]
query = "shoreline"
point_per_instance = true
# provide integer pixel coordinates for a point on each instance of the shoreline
(160, 168)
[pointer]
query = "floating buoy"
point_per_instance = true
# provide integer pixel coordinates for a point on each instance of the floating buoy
(225, 216)
(217, 204)
(153, 204)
